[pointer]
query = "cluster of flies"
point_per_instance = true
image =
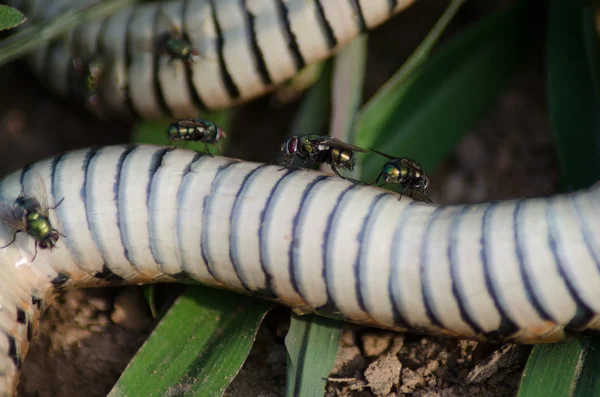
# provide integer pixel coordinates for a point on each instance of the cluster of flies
(317, 149)
(29, 213)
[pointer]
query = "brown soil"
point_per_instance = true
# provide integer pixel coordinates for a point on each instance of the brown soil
(87, 337)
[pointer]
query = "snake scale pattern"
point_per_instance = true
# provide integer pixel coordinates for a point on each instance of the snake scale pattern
(525, 270)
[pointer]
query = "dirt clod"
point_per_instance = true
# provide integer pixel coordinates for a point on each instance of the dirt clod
(382, 374)
(375, 344)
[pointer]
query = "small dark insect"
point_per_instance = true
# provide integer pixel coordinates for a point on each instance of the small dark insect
(175, 44)
(29, 214)
(321, 149)
(196, 130)
(406, 173)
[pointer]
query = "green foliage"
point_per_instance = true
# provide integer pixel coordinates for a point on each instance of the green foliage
(10, 17)
(562, 369)
(441, 100)
(572, 95)
(198, 347)
(312, 344)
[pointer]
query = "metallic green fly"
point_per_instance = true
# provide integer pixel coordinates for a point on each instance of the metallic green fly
(405, 172)
(198, 130)
(321, 149)
(175, 43)
(30, 214)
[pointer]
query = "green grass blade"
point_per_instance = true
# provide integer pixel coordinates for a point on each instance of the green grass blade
(31, 37)
(588, 383)
(312, 344)
(454, 88)
(346, 94)
(383, 103)
(572, 97)
(347, 88)
(10, 17)
(552, 370)
(197, 348)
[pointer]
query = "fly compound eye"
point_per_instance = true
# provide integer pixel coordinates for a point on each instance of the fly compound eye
(54, 237)
(425, 182)
(43, 245)
(291, 146)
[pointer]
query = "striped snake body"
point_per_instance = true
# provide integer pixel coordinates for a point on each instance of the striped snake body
(246, 47)
(525, 270)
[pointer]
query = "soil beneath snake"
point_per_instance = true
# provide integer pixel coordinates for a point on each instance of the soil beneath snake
(87, 337)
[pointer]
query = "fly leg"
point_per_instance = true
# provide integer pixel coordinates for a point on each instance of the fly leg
(12, 241)
(286, 163)
(334, 168)
(59, 203)
(207, 150)
(402, 192)
(35, 254)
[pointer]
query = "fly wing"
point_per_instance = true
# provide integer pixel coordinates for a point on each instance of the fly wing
(12, 216)
(191, 123)
(383, 154)
(419, 194)
(334, 142)
(410, 164)
(36, 189)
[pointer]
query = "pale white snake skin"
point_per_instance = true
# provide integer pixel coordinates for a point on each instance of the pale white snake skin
(247, 47)
(525, 270)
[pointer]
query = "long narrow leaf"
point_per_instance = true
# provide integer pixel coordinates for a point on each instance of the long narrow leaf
(347, 88)
(454, 88)
(312, 344)
(198, 347)
(573, 100)
(380, 107)
(553, 370)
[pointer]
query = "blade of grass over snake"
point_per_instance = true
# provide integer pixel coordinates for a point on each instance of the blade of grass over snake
(312, 344)
(198, 347)
(346, 93)
(383, 103)
(347, 88)
(31, 37)
(570, 368)
(454, 88)
(572, 98)
(10, 17)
